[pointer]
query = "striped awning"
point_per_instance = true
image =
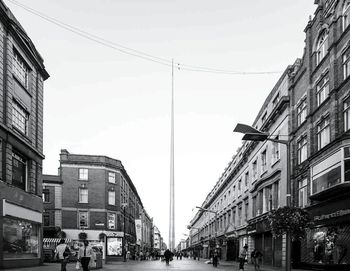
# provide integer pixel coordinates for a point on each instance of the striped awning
(55, 240)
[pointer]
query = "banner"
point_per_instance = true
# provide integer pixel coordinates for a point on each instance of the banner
(138, 226)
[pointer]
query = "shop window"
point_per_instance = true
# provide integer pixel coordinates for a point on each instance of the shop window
(20, 239)
(323, 133)
(322, 90)
(327, 245)
(83, 174)
(111, 177)
(302, 193)
(111, 221)
(19, 171)
(83, 219)
(301, 112)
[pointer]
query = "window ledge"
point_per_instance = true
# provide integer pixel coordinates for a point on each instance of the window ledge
(275, 162)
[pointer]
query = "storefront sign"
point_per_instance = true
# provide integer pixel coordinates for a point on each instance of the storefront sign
(99, 224)
(332, 215)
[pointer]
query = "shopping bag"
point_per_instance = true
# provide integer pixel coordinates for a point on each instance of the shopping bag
(77, 266)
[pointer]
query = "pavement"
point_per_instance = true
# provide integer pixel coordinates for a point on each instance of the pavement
(184, 264)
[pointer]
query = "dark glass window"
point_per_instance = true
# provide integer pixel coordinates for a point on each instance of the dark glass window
(46, 220)
(19, 171)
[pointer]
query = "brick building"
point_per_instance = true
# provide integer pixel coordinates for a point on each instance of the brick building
(98, 200)
(22, 76)
(320, 137)
(253, 183)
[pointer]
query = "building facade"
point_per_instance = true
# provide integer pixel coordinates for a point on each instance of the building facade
(97, 201)
(22, 76)
(320, 100)
(253, 183)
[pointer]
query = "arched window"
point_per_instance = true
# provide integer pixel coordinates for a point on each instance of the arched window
(322, 47)
(346, 15)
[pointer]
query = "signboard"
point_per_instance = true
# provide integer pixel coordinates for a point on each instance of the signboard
(138, 226)
(114, 246)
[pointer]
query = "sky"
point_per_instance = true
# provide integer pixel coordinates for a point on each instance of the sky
(101, 101)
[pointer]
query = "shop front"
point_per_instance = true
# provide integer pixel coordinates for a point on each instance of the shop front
(327, 243)
(269, 246)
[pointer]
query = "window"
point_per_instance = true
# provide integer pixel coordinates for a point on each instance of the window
(255, 169)
(276, 99)
(276, 195)
(322, 47)
(20, 69)
(346, 64)
(302, 193)
(301, 112)
(322, 90)
(263, 162)
(254, 210)
(20, 118)
(267, 202)
(234, 216)
(111, 221)
(111, 197)
(302, 149)
(46, 218)
(83, 174)
(111, 177)
(46, 195)
(346, 13)
(239, 185)
(246, 206)
(83, 195)
(347, 114)
(323, 133)
(83, 219)
(240, 215)
(246, 179)
(20, 239)
(19, 171)
(263, 118)
(275, 150)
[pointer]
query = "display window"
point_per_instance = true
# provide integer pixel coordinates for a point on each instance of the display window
(327, 245)
(20, 239)
(114, 246)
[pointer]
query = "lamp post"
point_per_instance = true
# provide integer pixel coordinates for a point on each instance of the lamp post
(124, 237)
(253, 134)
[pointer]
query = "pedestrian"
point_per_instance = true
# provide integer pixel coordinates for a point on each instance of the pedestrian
(181, 256)
(215, 258)
(84, 255)
(62, 253)
(256, 258)
(243, 257)
(167, 256)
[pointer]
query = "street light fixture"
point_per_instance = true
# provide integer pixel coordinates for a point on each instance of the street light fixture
(253, 134)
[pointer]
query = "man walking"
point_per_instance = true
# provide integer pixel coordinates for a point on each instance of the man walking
(243, 257)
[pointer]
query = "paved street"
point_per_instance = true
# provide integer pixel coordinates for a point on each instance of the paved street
(153, 265)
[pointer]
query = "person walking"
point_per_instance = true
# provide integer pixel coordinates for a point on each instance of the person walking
(62, 253)
(167, 256)
(215, 258)
(256, 258)
(243, 257)
(84, 255)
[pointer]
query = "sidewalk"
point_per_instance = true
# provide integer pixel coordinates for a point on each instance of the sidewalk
(248, 266)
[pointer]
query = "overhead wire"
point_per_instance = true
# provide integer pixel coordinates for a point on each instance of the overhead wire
(133, 52)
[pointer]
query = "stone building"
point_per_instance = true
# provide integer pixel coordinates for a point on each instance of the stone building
(99, 202)
(320, 100)
(22, 76)
(253, 183)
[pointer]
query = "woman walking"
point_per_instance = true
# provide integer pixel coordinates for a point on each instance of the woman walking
(84, 255)
(243, 257)
(62, 253)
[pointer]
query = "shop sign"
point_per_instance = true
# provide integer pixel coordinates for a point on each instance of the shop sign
(332, 215)
(138, 231)
(99, 224)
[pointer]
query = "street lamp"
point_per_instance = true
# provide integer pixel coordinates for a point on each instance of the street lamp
(253, 134)
(124, 205)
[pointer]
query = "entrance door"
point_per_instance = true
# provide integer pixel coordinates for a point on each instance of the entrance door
(267, 249)
(232, 250)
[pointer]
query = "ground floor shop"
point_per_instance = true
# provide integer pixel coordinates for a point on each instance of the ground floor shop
(327, 244)
(20, 236)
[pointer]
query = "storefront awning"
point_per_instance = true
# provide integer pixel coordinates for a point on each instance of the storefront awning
(56, 240)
